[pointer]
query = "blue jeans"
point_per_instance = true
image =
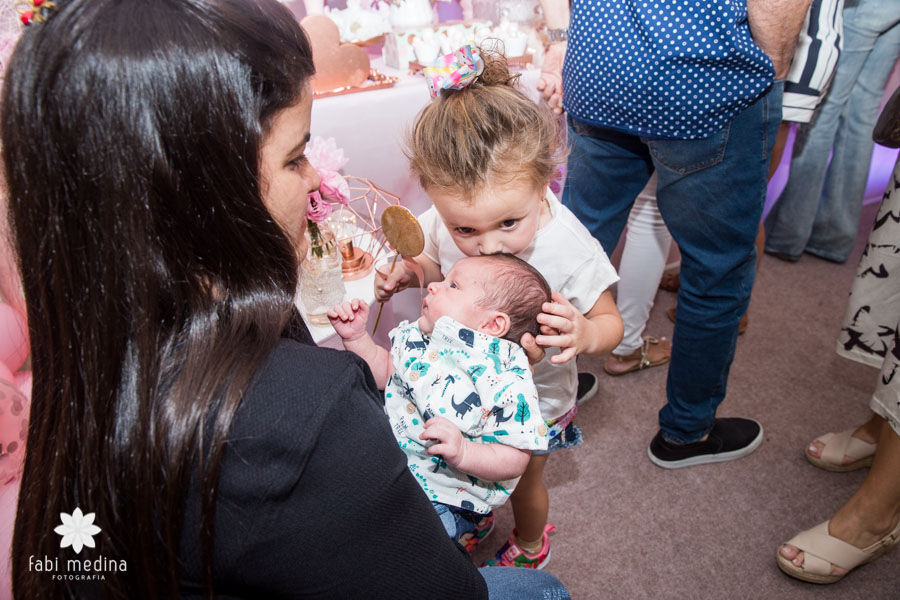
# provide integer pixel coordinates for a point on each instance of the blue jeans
(818, 211)
(710, 194)
(456, 521)
(511, 583)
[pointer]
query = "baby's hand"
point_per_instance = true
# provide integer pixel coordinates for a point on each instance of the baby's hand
(349, 319)
(534, 352)
(387, 284)
(451, 444)
(572, 328)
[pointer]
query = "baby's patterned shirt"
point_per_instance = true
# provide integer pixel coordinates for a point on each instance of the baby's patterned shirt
(482, 384)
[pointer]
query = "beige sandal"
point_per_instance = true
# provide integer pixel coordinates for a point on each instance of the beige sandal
(835, 446)
(822, 550)
(652, 353)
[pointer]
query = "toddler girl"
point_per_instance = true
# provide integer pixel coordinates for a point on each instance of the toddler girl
(485, 154)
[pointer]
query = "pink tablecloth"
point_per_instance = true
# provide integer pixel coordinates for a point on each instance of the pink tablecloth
(9, 493)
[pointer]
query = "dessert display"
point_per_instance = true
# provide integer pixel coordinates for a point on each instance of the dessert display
(416, 49)
(359, 23)
(514, 39)
(400, 45)
(406, 14)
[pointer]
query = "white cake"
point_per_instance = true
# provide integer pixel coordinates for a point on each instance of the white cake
(407, 14)
(357, 24)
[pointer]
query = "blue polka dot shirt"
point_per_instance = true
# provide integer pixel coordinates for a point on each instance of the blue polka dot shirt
(662, 68)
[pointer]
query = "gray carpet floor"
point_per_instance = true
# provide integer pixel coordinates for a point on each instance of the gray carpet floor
(628, 529)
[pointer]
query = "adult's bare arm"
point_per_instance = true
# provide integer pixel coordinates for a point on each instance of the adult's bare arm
(556, 14)
(775, 25)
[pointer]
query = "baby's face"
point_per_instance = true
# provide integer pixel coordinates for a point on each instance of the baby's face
(457, 296)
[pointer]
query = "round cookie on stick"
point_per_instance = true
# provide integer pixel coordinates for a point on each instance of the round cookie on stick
(402, 231)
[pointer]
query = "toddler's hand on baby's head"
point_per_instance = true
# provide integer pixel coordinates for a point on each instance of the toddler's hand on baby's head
(349, 319)
(451, 444)
(388, 284)
(563, 326)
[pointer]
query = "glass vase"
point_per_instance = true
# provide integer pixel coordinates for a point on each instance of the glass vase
(321, 280)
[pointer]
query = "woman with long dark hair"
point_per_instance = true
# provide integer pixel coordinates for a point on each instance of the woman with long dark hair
(153, 151)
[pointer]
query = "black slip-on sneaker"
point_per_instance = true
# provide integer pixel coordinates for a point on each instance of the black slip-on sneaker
(729, 439)
(587, 387)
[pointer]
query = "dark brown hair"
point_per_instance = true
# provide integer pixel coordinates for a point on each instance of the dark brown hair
(517, 289)
(155, 279)
(486, 134)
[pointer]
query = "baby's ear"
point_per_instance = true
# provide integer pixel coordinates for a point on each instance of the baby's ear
(497, 324)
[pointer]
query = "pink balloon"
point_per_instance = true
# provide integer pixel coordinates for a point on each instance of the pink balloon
(13, 338)
(23, 381)
(5, 373)
(14, 409)
(10, 284)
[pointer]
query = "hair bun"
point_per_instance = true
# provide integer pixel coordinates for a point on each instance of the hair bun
(496, 66)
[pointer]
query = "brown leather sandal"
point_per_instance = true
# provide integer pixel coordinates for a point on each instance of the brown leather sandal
(652, 353)
(671, 281)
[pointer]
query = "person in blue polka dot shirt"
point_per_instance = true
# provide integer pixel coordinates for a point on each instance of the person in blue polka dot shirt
(691, 89)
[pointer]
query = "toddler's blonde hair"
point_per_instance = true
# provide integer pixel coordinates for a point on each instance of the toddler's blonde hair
(487, 134)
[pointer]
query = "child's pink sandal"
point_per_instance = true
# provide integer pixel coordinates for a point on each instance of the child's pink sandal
(512, 555)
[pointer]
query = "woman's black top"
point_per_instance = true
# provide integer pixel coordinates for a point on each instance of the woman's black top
(315, 499)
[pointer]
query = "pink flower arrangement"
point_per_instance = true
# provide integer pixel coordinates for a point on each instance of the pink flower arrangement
(334, 187)
(317, 209)
(324, 155)
(327, 159)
